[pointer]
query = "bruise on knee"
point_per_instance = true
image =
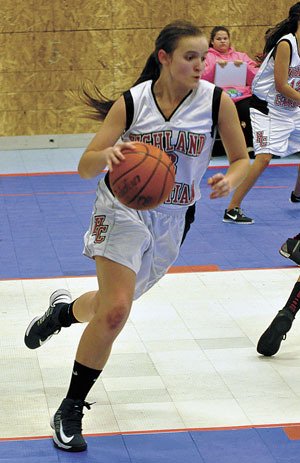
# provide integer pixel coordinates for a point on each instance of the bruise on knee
(116, 318)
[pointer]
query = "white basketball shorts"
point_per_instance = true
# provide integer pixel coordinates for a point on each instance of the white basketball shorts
(276, 133)
(147, 242)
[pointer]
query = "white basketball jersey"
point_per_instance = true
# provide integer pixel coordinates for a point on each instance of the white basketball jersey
(186, 136)
(263, 85)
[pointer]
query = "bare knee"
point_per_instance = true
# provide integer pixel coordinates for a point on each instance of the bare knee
(112, 316)
(263, 159)
(117, 316)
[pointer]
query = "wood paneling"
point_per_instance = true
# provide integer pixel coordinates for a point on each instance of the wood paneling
(49, 48)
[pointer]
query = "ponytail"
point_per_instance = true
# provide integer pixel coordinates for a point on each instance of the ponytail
(151, 70)
(98, 104)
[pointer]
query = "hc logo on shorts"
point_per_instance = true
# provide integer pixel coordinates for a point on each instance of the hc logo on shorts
(99, 228)
(261, 139)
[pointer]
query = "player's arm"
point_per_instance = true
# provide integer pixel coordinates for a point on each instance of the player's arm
(234, 142)
(102, 151)
(281, 70)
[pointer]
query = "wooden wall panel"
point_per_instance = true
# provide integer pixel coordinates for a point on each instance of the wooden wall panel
(16, 81)
(208, 13)
(131, 47)
(16, 16)
(131, 14)
(239, 13)
(82, 14)
(93, 50)
(54, 50)
(17, 52)
(18, 123)
(170, 11)
(49, 48)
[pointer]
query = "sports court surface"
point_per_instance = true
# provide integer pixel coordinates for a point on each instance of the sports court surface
(184, 382)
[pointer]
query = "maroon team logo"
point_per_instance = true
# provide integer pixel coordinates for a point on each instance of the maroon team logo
(261, 139)
(99, 228)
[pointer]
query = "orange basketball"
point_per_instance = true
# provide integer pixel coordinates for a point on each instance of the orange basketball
(144, 179)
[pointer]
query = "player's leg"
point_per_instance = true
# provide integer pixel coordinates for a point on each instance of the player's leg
(259, 164)
(111, 310)
(262, 142)
(111, 306)
(234, 212)
(270, 137)
(270, 340)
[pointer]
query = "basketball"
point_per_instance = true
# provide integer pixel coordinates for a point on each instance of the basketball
(144, 179)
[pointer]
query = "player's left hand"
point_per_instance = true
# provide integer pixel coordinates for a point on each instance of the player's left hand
(220, 186)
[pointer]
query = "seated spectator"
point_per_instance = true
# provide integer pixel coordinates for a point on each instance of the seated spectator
(221, 52)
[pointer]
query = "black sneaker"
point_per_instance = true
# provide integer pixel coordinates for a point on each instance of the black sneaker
(40, 329)
(291, 249)
(294, 198)
(66, 424)
(270, 340)
(236, 215)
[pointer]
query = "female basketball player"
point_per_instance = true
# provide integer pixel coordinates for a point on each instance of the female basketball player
(134, 249)
(274, 109)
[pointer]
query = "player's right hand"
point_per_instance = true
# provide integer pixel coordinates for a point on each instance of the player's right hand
(114, 155)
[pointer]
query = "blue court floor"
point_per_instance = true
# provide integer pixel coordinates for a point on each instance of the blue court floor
(46, 216)
(259, 445)
(184, 382)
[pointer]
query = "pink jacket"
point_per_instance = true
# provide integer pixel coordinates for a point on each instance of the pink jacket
(236, 93)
